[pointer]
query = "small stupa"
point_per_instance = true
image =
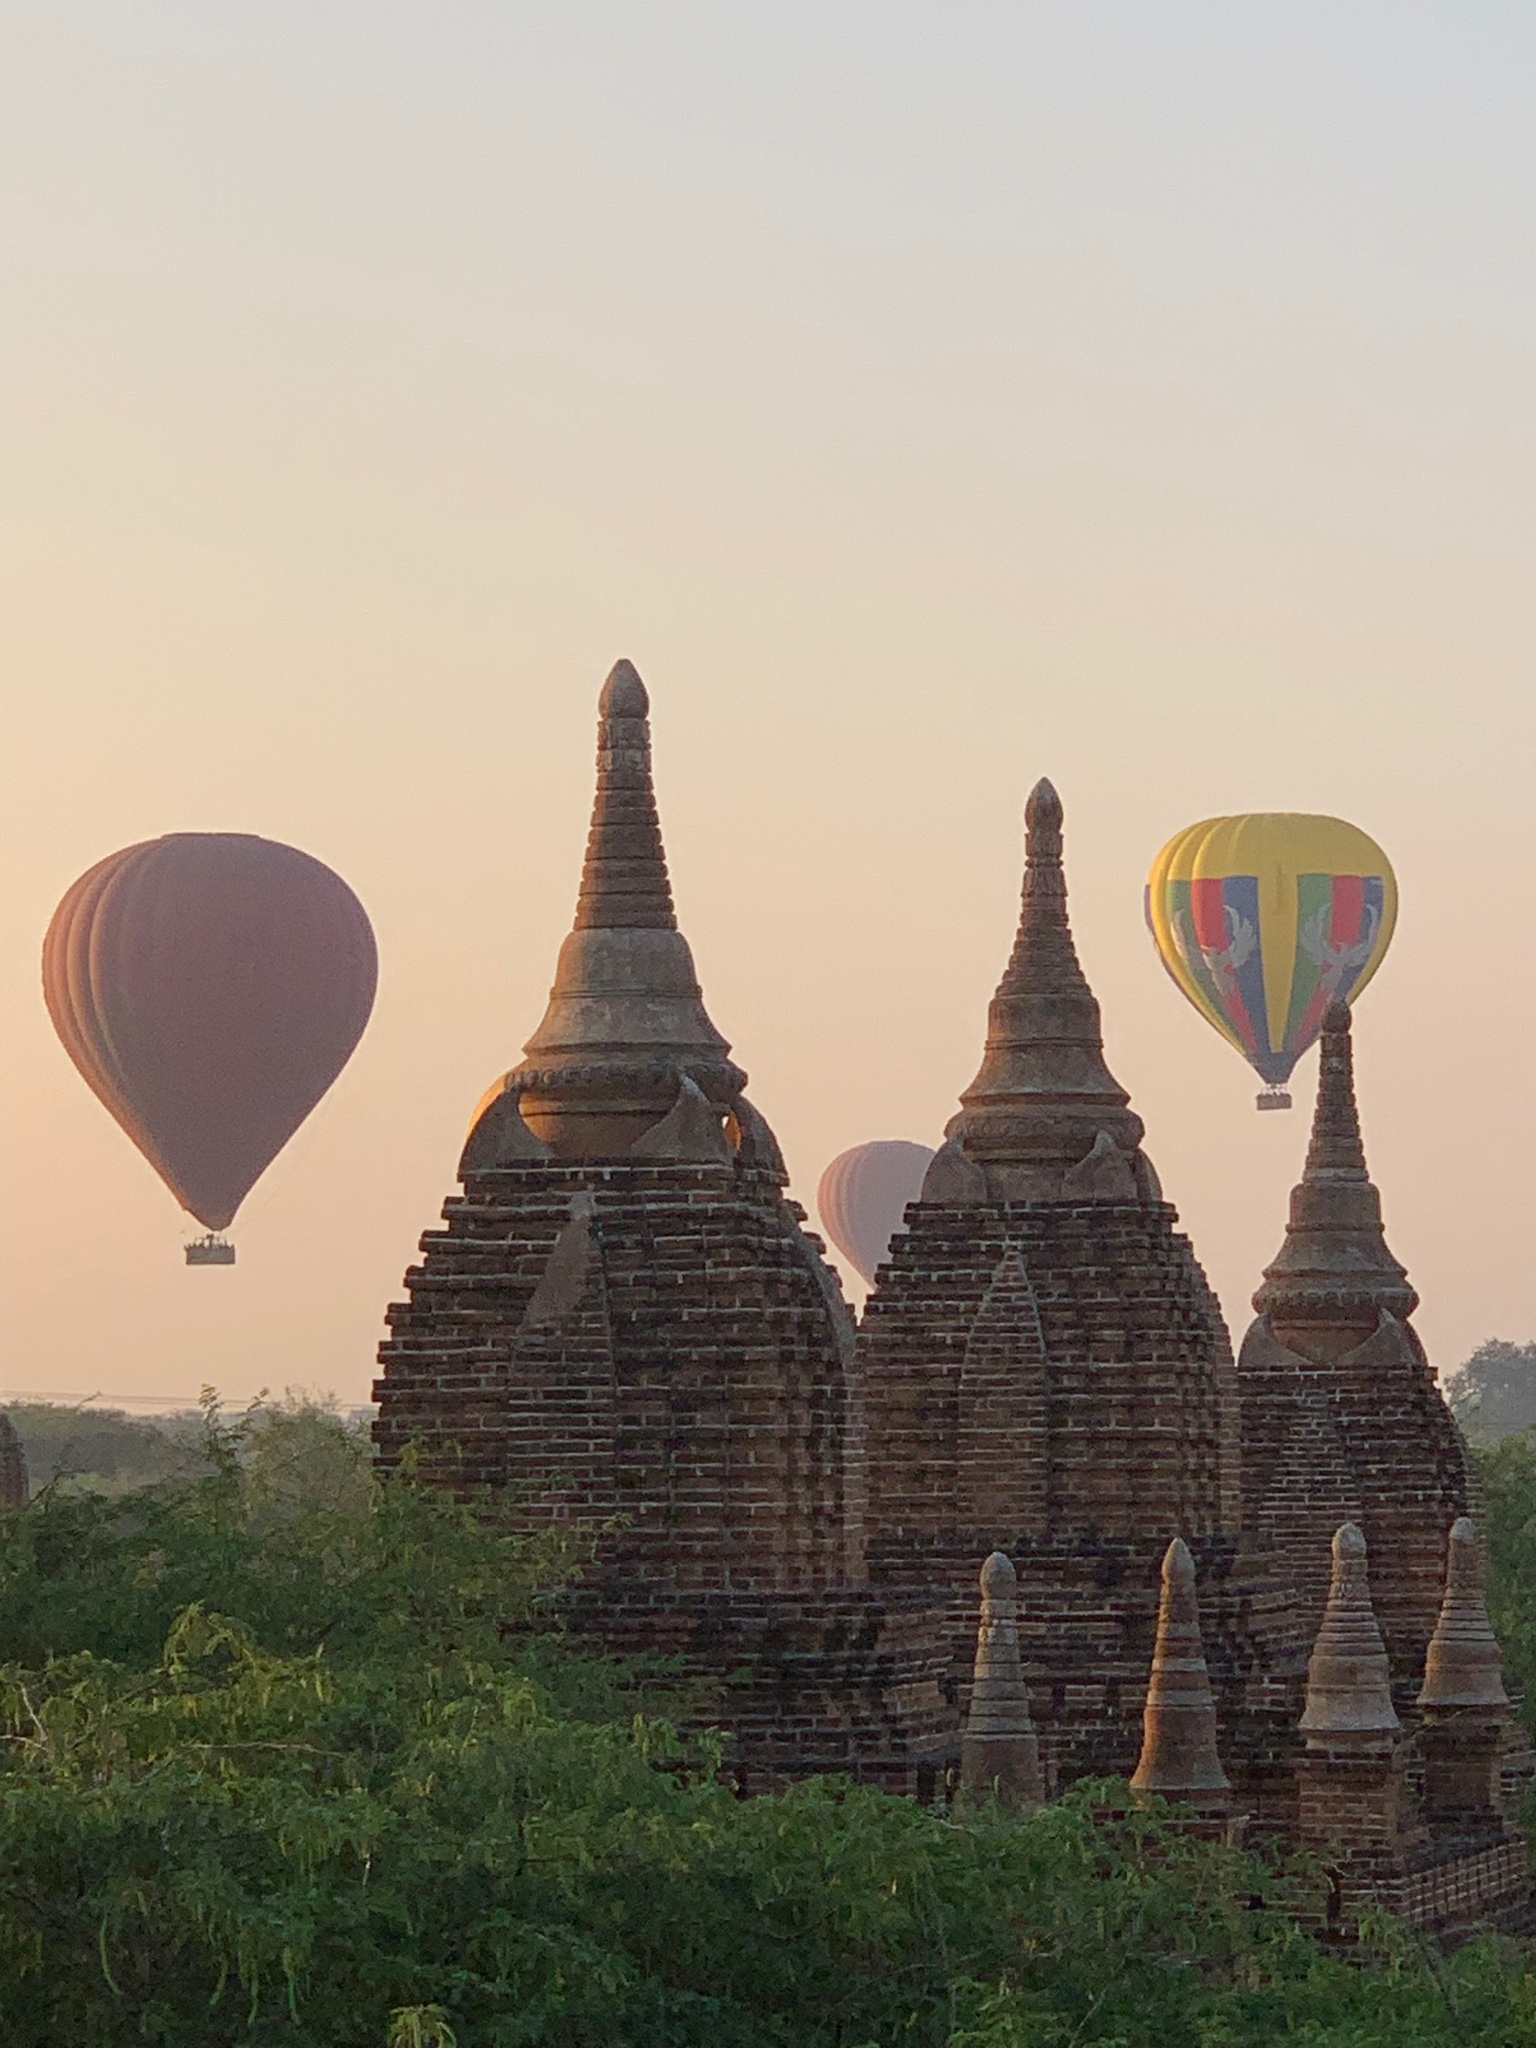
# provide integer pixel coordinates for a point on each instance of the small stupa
(1341, 1417)
(999, 1757)
(1179, 1757)
(1464, 1668)
(1349, 1684)
(1352, 1810)
(1046, 1371)
(1465, 1707)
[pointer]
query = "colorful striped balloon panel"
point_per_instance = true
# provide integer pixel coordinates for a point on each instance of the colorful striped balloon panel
(1265, 920)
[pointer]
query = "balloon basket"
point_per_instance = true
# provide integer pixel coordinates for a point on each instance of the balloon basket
(1274, 1097)
(211, 1250)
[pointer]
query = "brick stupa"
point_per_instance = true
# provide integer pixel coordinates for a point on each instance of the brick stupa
(1047, 1371)
(1342, 1421)
(623, 1320)
(624, 1323)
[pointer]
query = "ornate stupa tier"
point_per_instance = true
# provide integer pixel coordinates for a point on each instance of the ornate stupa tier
(1334, 1275)
(626, 1023)
(1044, 1119)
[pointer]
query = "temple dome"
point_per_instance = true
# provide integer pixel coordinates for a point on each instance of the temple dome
(626, 1023)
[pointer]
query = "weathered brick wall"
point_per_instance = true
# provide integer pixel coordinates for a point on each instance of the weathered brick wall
(1366, 1439)
(662, 1346)
(1054, 1380)
(1131, 1379)
(669, 1353)
(1468, 1888)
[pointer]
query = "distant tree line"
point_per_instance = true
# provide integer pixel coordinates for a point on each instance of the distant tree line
(1493, 1393)
(105, 1450)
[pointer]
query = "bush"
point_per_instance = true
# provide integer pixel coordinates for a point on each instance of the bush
(1494, 1392)
(309, 1762)
(100, 1450)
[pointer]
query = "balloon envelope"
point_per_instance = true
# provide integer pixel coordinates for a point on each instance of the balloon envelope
(863, 1196)
(209, 986)
(1264, 920)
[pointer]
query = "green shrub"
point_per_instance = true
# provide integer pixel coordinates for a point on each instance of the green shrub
(308, 1763)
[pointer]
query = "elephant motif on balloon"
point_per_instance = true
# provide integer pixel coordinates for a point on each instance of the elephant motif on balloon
(1265, 920)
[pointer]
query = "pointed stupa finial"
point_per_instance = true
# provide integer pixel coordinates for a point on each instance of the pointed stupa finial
(623, 694)
(1334, 1275)
(1349, 1684)
(624, 883)
(1179, 1757)
(1043, 1095)
(1463, 1668)
(1043, 818)
(1336, 1145)
(999, 1756)
(626, 1023)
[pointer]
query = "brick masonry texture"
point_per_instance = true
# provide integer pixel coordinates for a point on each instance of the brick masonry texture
(623, 1322)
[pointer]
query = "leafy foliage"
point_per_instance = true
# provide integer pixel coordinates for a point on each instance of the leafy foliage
(1508, 1473)
(1494, 1391)
(295, 1755)
(101, 1450)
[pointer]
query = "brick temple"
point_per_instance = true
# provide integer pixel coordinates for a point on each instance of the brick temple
(624, 1318)
(624, 1322)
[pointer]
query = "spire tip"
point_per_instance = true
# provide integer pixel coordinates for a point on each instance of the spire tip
(1178, 1565)
(998, 1577)
(624, 694)
(1043, 817)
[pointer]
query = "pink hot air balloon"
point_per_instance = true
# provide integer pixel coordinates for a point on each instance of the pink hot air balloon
(863, 1197)
(210, 986)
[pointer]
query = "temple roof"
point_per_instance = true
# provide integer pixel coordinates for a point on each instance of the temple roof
(1044, 1106)
(626, 1024)
(1334, 1270)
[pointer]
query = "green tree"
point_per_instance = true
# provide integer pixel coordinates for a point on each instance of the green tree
(311, 1762)
(1494, 1391)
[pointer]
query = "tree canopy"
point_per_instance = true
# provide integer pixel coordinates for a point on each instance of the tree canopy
(1494, 1392)
(297, 1754)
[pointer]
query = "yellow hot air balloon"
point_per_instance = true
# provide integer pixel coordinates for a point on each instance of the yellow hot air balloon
(1264, 920)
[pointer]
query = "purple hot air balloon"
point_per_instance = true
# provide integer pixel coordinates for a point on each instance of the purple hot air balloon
(863, 1197)
(210, 986)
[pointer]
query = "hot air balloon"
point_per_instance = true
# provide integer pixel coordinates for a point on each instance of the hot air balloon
(863, 1197)
(210, 986)
(1264, 921)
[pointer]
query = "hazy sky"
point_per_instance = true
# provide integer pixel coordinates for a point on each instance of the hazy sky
(926, 399)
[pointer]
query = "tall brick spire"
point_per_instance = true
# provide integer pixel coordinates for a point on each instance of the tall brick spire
(1044, 1103)
(626, 1025)
(1334, 1274)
